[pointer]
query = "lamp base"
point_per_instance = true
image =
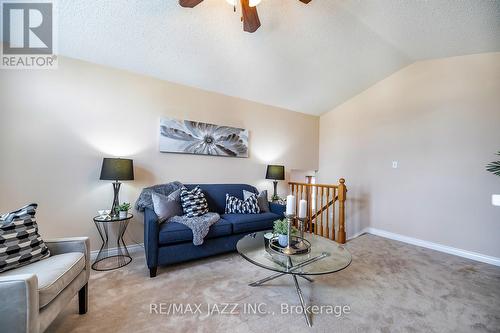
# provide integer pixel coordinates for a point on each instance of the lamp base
(275, 195)
(116, 201)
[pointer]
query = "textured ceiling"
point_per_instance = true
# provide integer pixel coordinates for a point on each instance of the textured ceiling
(306, 58)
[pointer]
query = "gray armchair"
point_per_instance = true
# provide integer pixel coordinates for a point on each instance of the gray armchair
(32, 296)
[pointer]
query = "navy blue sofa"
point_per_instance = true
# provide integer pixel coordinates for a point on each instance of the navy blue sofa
(171, 242)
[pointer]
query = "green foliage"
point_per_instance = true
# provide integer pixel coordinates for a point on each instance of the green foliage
(281, 227)
(124, 207)
(494, 167)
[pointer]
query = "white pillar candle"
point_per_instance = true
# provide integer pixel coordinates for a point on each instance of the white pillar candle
(290, 205)
(302, 209)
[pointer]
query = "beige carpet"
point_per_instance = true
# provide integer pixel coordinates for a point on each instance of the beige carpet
(389, 287)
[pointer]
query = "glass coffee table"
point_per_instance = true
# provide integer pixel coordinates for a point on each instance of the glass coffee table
(325, 257)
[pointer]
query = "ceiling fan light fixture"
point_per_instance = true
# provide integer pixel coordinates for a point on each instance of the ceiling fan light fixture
(251, 3)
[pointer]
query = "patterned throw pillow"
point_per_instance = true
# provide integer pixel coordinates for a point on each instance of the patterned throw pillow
(20, 243)
(193, 202)
(238, 206)
(261, 199)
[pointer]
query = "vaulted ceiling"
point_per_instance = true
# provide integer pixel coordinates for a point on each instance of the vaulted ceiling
(306, 58)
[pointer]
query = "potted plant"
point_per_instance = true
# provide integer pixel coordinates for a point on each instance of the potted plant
(123, 210)
(281, 229)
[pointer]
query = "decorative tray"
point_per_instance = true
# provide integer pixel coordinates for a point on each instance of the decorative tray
(299, 245)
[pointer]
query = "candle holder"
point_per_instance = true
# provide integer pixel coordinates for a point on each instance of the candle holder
(288, 249)
(302, 221)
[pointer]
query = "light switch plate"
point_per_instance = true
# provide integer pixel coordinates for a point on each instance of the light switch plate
(395, 164)
(495, 199)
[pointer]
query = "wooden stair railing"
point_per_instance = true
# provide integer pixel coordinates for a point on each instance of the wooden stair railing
(321, 208)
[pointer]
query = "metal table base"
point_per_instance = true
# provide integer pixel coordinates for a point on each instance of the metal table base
(297, 286)
(110, 258)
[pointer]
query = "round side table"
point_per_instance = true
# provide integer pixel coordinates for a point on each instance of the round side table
(110, 258)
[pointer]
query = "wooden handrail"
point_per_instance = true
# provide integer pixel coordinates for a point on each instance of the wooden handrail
(321, 207)
(313, 185)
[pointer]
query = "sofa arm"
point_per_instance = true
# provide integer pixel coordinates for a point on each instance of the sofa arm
(151, 232)
(19, 303)
(277, 208)
(71, 244)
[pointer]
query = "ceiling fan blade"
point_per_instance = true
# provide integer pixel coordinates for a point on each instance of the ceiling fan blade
(305, 1)
(250, 17)
(189, 3)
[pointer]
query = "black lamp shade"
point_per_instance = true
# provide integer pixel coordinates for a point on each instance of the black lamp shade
(117, 169)
(276, 172)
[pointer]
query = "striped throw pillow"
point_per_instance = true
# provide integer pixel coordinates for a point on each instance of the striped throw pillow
(20, 243)
(237, 206)
(193, 202)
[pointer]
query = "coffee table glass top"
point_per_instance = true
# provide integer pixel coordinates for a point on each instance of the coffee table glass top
(325, 257)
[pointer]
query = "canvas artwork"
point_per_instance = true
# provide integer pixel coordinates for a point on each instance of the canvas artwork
(192, 137)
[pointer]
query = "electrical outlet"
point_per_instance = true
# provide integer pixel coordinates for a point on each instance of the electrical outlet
(395, 164)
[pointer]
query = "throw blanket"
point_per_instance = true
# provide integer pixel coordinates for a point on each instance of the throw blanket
(200, 225)
(145, 201)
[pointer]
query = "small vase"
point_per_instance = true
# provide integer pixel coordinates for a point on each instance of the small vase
(123, 214)
(283, 240)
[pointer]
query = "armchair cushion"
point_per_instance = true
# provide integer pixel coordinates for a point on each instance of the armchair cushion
(54, 274)
(71, 244)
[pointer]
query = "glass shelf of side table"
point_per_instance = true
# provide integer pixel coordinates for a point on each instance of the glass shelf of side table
(110, 258)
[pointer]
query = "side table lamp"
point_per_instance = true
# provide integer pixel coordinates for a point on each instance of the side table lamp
(116, 169)
(275, 172)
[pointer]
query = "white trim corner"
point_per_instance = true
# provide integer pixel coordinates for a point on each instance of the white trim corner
(430, 245)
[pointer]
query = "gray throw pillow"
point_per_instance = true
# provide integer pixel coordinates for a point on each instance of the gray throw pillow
(261, 200)
(167, 206)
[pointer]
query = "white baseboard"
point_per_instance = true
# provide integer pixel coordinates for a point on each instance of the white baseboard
(114, 251)
(430, 245)
(356, 235)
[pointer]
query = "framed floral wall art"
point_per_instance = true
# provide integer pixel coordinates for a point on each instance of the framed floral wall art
(193, 137)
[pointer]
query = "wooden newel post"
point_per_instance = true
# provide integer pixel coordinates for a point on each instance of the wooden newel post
(342, 196)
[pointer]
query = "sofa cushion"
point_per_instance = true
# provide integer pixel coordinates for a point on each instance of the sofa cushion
(216, 194)
(251, 222)
(54, 274)
(173, 232)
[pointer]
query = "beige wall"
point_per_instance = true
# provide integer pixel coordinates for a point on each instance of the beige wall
(441, 120)
(56, 126)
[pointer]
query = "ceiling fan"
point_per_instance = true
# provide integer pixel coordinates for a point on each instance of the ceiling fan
(249, 17)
